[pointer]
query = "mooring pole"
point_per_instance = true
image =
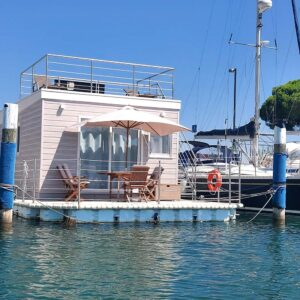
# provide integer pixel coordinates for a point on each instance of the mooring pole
(279, 173)
(8, 161)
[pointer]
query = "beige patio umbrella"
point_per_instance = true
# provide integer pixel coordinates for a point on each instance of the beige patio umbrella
(131, 118)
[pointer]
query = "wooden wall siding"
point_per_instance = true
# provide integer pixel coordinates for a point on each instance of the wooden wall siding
(30, 119)
(61, 146)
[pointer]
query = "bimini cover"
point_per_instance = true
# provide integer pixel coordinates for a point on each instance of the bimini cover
(244, 132)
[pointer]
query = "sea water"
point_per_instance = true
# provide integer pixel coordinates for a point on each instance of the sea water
(213, 260)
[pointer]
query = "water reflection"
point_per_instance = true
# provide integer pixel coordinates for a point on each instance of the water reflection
(6, 228)
(118, 260)
(168, 261)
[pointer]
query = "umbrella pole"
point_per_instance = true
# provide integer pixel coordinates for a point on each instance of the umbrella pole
(126, 148)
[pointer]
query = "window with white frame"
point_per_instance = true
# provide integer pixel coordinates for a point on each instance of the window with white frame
(160, 145)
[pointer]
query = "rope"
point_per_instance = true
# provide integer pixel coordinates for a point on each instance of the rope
(69, 220)
(243, 196)
(273, 193)
(7, 187)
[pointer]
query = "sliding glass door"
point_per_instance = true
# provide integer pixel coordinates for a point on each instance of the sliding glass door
(118, 149)
(103, 149)
(94, 155)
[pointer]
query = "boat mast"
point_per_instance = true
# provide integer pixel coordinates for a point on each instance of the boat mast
(262, 5)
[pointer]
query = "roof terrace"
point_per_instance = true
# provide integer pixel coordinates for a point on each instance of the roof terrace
(90, 75)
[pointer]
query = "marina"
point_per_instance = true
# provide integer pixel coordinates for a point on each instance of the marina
(102, 131)
(150, 150)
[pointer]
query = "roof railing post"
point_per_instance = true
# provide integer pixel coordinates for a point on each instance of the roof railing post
(32, 83)
(46, 71)
(133, 79)
(92, 76)
(21, 83)
(172, 85)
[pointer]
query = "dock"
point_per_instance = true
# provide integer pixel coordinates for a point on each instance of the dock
(123, 212)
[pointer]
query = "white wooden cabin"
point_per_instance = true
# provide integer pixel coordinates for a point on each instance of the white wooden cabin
(58, 92)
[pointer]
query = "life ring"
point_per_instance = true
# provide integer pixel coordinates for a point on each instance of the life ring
(214, 180)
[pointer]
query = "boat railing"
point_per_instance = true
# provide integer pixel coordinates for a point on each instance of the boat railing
(187, 160)
(89, 75)
(194, 177)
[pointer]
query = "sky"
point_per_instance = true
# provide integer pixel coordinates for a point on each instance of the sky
(189, 35)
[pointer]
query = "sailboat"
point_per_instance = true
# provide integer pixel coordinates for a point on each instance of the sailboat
(255, 174)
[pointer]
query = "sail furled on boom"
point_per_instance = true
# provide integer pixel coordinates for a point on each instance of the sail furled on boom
(245, 132)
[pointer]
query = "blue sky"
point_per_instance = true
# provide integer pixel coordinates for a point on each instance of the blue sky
(190, 35)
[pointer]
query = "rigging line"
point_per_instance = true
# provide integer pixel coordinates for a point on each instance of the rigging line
(219, 110)
(223, 39)
(197, 98)
(286, 57)
(274, 23)
(293, 103)
(208, 116)
(276, 82)
(296, 23)
(206, 36)
(263, 86)
(294, 100)
(239, 19)
(191, 90)
(206, 33)
(247, 92)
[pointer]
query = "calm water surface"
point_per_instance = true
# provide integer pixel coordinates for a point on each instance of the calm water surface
(166, 261)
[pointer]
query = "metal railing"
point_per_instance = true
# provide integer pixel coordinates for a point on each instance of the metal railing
(89, 75)
(194, 178)
(76, 180)
(93, 183)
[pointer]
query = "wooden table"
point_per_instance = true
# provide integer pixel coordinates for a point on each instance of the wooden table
(115, 175)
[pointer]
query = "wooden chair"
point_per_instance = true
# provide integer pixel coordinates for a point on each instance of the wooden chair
(136, 180)
(150, 187)
(131, 92)
(72, 183)
(40, 81)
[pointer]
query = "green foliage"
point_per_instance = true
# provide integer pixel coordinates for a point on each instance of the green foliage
(283, 105)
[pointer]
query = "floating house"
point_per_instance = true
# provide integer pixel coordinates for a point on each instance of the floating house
(60, 93)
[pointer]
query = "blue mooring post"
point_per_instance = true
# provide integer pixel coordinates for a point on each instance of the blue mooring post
(8, 161)
(279, 173)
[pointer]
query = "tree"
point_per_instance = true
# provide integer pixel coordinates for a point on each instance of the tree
(283, 106)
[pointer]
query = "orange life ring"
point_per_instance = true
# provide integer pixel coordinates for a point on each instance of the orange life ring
(214, 180)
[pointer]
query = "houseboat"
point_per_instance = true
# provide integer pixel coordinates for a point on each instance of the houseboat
(66, 166)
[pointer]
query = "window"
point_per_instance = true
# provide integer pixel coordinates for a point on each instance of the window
(160, 145)
(94, 155)
(118, 148)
